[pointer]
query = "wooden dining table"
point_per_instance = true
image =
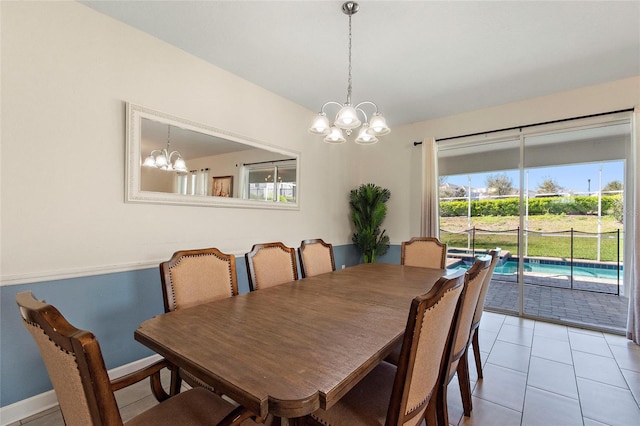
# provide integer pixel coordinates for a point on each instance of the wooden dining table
(293, 348)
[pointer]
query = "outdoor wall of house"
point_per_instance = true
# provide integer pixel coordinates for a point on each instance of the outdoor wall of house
(67, 233)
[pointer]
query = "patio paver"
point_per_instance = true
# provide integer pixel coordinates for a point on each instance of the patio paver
(551, 298)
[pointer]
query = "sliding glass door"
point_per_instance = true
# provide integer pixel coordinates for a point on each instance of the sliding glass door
(479, 207)
(551, 198)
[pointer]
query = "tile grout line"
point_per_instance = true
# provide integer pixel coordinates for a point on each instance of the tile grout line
(623, 376)
(575, 375)
(526, 383)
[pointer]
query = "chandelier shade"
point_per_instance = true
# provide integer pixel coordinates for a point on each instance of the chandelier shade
(378, 126)
(161, 158)
(365, 137)
(347, 118)
(320, 125)
(335, 136)
(350, 117)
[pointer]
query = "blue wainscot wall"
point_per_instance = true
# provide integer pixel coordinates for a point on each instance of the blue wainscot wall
(112, 306)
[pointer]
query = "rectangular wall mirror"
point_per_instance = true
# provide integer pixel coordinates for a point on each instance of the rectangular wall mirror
(172, 160)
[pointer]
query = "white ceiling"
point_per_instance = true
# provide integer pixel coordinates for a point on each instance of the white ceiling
(416, 59)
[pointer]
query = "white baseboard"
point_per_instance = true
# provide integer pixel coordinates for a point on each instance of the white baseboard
(27, 407)
(38, 403)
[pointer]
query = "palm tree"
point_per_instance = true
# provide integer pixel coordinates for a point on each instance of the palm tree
(368, 210)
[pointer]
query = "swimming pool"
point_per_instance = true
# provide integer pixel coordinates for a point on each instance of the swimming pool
(557, 268)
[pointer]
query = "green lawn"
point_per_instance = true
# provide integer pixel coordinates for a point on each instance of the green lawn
(546, 239)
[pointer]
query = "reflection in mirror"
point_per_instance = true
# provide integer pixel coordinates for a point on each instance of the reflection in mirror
(176, 161)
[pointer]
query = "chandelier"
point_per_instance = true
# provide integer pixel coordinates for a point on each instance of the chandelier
(347, 118)
(161, 158)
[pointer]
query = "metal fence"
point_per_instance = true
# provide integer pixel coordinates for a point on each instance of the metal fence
(590, 260)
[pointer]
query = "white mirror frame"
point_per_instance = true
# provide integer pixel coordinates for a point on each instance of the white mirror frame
(133, 194)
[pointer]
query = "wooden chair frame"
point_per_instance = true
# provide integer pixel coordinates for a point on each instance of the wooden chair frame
(419, 306)
(168, 293)
(443, 246)
(168, 296)
(251, 272)
(468, 301)
(495, 256)
(304, 244)
(98, 390)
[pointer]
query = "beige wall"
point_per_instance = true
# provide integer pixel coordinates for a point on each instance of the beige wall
(67, 72)
(404, 168)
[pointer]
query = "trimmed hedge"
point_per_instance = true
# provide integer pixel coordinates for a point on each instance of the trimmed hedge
(571, 205)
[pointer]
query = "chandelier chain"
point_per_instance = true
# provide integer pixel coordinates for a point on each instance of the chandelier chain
(349, 87)
(162, 158)
(348, 117)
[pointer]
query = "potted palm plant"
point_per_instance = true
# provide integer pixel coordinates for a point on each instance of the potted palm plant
(368, 210)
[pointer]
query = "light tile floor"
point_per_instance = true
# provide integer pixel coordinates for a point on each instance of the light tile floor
(535, 373)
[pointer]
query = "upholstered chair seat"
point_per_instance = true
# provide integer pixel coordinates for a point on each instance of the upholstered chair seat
(362, 405)
(194, 407)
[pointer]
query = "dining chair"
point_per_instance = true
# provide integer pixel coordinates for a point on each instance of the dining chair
(456, 359)
(407, 394)
(86, 395)
(270, 264)
(477, 316)
(427, 252)
(192, 277)
(316, 257)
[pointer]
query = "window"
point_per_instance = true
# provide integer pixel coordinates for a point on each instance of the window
(273, 182)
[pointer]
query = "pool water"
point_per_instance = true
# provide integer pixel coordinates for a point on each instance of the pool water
(511, 267)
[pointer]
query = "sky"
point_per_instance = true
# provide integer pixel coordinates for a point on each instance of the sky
(574, 177)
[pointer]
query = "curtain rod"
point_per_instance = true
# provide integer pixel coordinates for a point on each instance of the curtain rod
(524, 126)
(267, 162)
